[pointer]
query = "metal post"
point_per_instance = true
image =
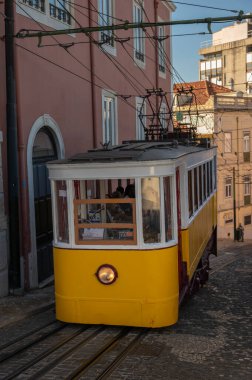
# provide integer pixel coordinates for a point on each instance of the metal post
(12, 150)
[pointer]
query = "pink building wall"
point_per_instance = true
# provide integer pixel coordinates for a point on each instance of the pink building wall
(3, 173)
(56, 82)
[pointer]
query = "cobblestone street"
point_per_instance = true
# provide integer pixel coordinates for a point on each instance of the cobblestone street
(212, 339)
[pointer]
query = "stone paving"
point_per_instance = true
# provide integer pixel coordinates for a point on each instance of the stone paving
(212, 339)
(13, 307)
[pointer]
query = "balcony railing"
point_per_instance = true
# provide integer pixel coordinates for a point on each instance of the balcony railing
(233, 102)
(139, 55)
(161, 68)
(60, 14)
(107, 39)
(37, 4)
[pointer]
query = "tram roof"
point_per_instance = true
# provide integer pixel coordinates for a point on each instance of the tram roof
(138, 151)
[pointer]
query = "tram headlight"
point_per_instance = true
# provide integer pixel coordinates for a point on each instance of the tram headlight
(106, 274)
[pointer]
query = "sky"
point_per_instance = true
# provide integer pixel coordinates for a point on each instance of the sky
(185, 54)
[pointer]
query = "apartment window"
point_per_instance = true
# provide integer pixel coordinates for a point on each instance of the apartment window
(106, 18)
(228, 218)
(109, 119)
(211, 68)
(228, 187)
(246, 146)
(140, 119)
(37, 4)
(247, 220)
(227, 142)
(161, 49)
(59, 9)
(52, 13)
(247, 190)
(138, 33)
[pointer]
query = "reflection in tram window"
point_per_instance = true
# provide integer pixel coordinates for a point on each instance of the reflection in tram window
(151, 209)
(195, 183)
(102, 213)
(168, 209)
(190, 193)
(200, 186)
(61, 212)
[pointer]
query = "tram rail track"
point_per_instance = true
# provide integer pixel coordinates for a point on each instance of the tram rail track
(31, 341)
(78, 351)
(81, 351)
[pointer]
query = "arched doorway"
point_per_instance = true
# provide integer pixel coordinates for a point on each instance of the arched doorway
(48, 126)
(44, 150)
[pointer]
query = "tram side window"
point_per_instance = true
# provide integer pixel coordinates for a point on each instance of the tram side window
(61, 212)
(211, 176)
(105, 211)
(190, 193)
(151, 210)
(208, 178)
(200, 186)
(204, 182)
(195, 180)
(214, 173)
(168, 209)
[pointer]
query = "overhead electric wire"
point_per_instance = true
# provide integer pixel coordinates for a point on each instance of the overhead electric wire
(89, 69)
(118, 65)
(89, 9)
(201, 6)
(129, 55)
(112, 91)
(58, 43)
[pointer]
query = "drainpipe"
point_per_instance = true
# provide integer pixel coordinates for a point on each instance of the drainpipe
(25, 233)
(91, 53)
(12, 151)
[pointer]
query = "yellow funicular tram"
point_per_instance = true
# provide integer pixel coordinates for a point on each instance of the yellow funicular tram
(134, 225)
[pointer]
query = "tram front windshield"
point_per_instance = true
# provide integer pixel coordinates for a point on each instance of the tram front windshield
(105, 211)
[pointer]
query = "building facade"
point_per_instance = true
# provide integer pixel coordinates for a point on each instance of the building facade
(227, 58)
(226, 116)
(74, 92)
(233, 136)
(3, 188)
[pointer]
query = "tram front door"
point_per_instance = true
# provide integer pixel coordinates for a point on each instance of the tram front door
(44, 150)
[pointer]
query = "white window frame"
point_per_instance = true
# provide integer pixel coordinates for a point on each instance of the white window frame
(28, 10)
(247, 185)
(140, 135)
(106, 12)
(107, 97)
(161, 51)
(228, 187)
(246, 141)
(138, 34)
(227, 142)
